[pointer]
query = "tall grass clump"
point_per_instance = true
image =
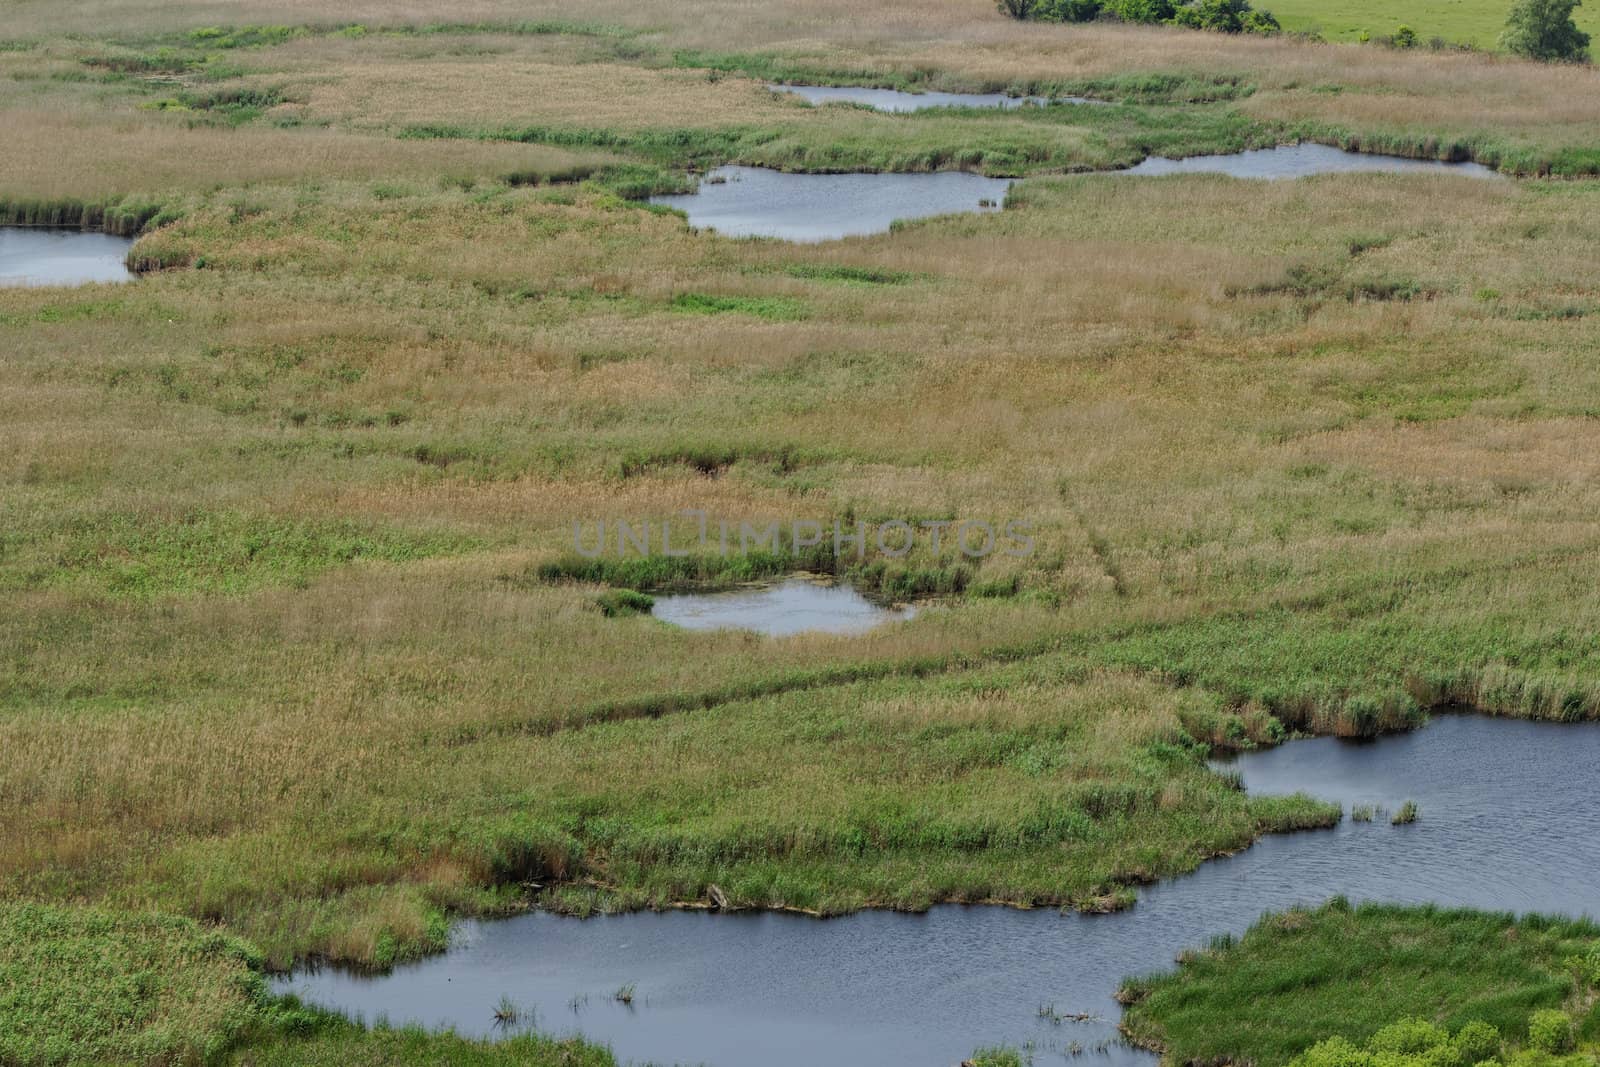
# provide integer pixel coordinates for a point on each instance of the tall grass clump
(123, 218)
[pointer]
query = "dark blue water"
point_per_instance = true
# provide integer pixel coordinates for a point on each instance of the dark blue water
(32, 257)
(1510, 821)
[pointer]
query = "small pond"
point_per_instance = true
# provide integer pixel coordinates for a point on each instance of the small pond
(798, 605)
(880, 989)
(756, 202)
(899, 102)
(31, 257)
(1301, 161)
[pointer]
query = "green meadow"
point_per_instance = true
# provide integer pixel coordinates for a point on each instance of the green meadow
(1459, 22)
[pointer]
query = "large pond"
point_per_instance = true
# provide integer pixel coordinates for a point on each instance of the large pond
(799, 605)
(1302, 161)
(756, 202)
(32, 257)
(894, 100)
(1510, 820)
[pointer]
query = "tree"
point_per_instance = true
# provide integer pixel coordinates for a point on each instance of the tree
(1067, 10)
(1143, 10)
(1017, 9)
(1224, 16)
(1544, 30)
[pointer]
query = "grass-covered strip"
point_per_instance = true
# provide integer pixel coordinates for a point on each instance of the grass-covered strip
(1033, 782)
(1345, 972)
(1024, 141)
(84, 985)
(217, 552)
(330, 1042)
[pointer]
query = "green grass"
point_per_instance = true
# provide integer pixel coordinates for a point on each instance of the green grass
(1186, 87)
(227, 553)
(773, 309)
(1020, 142)
(335, 1043)
(80, 986)
(620, 603)
(1305, 976)
(123, 217)
(846, 274)
(1465, 22)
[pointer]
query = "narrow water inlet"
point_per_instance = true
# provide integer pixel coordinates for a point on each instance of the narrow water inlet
(1303, 161)
(32, 256)
(798, 605)
(756, 202)
(893, 990)
(897, 101)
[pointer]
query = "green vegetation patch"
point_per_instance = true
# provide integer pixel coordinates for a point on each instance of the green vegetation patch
(333, 1042)
(771, 308)
(123, 217)
(847, 275)
(81, 986)
(1018, 142)
(225, 553)
(621, 603)
(1303, 977)
(661, 572)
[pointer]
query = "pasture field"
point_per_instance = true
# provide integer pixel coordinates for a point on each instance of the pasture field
(297, 659)
(1478, 23)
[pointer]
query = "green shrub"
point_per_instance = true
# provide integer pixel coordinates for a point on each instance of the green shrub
(1409, 1037)
(1068, 10)
(1144, 11)
(1224, 16)
(1334, 1052)
(1418, 1043)
(1260, 22)
(1405, 37)
(1550, 1031)
(1477, 1042)
(621, 603)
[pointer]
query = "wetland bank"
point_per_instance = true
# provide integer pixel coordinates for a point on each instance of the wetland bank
(297, 667)
(885, 988)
